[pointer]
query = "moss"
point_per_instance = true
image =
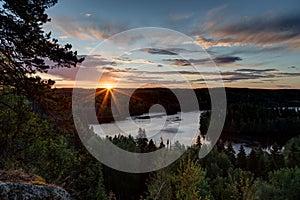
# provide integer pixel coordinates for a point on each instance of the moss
(16, 184)
(19, 176)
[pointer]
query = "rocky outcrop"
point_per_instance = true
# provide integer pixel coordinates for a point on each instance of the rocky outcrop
(18, 185)
(17, 191)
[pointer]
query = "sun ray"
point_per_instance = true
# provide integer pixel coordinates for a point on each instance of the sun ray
(116, 102)
(104, 101)
(126, 94)
(100, 92)
(108, 87)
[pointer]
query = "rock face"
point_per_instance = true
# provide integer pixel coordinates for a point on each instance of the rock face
(17, 191)
(18, 185)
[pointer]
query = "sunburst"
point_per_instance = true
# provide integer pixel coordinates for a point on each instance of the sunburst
(108, 87)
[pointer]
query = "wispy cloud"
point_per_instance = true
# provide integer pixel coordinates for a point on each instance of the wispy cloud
(265, 30)
(226, 59)
(283, 86)
(292, 67)
(178, 62)
(216, 10)
(259, 75)
(235, 76)
(159, 51)
(180, 17)
(87, 30)
(289, 74)
(129, 75)
(257, 70)
(219, 60)
(136, 61)
(92, 62)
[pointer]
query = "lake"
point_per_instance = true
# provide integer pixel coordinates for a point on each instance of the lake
(181, 127)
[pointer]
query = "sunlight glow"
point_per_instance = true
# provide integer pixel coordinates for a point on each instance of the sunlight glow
(108, 87)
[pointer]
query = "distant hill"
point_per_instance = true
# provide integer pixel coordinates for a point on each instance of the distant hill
(142, 99)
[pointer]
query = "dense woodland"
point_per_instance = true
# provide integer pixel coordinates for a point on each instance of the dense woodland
(37, 132)
(39, 144)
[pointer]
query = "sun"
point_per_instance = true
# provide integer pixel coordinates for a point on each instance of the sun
(108, 87)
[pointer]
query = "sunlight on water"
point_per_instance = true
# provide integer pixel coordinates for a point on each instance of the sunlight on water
(178, 127)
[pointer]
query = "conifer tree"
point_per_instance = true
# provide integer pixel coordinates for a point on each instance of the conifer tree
(25, 48)
(241, 158)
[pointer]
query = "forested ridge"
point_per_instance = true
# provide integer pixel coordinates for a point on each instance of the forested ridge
(252, 114)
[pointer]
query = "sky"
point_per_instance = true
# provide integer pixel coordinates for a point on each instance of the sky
(253, 44)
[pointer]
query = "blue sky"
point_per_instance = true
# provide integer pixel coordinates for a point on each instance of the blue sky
(255, 44)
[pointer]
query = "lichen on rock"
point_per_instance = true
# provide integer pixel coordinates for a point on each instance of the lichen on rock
(18, 185)
(17, 191)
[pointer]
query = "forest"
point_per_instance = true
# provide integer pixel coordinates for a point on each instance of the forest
(38, 136)
(35, 142)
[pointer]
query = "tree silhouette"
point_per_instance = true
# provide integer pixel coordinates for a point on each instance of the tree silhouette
(142, 140)
(198, 141)
(26, 49)
(276, 158)
(241, 158)
(151, 146)
(161, 144)
(252, 161)
(230, 152)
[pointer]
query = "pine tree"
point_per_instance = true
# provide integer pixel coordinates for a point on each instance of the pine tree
(241, 158)
(252, 161)
(151, 146)
(25, 47)
(262, 163)
(161, 144)
(276, 158)
(160, 186)
(239, 185)
(230, 153)
(198, 141)
(291, 152)
(142, 140)
(190, 182)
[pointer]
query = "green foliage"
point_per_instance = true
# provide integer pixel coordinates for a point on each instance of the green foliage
(267, 123)
(286, 183)
(117, 181)
(216, 163)
(282, 184)
(160, 186)
(252, 161)
(25, 47)
(276, 157)
(263, 190)
(291, 152)
(31, 142)
(126, 143)
(38, 146)
(223, 177)
(241, 158)
(258, 162)
(19, 127)
(229, 151)
(239, 185)
(190, 182)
